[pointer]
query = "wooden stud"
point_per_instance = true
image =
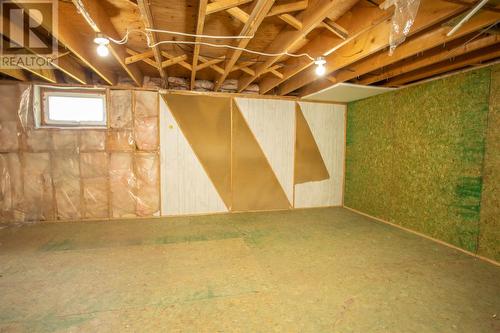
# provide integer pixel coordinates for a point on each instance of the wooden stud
(286, 40)
(103, 24)
(431, 13)
(427, 60)
(139, 57)
(219, 5)
(410, 48)
(259, 12)
(173, 61)
(202, 10)
(147, 18)
(17, 73)
(291, 20)
(288, 8)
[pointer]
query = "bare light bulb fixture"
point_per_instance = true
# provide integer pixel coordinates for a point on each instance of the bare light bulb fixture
(320, 66)
(102, 45)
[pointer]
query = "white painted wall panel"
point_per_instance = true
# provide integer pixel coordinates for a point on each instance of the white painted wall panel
(273, 124)
(327, 123)
(185, 186)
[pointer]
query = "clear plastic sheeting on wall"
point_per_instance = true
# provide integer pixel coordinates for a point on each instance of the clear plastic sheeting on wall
(404, 15)
(49, 174)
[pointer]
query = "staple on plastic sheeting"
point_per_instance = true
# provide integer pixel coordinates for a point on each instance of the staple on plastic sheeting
(8, 136)
(146, 167)
(404, 15)
(66, 177)
(146, 133)
(122, 140)
(38, 192)
(92, 140)
(122, 185)
(95, 197)
(120, 109)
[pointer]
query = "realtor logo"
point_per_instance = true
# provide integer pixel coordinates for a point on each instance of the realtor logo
(28, 30)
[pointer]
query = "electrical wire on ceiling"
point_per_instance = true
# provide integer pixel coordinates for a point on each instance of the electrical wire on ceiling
(124, 40)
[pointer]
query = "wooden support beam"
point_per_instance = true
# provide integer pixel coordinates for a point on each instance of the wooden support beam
(148, 61)
(335, 28)
(103, 24)
(291, 20)
(259, 12)
(181, 63)
(274, 70)
(219, 5)
(139, 56)
(17, 74)
(212, 66)
(173, 61)
(473, 59)
(65, 64)
(202, 12)
(43, 73)
(411, 47)
(81, 43)
(412, 64)
(210, 63)
(490, 7)
(431, 14)
(324, 44)
(239, 14)
(288, 8)
(71, 68)
(147, 18)
(287, 39)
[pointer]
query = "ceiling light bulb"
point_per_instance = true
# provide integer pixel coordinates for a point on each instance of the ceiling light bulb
(320, 70)
(102, 50)
(320, 66)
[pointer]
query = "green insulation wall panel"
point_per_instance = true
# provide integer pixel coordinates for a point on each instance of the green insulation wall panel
(415, 156)
(489, 227)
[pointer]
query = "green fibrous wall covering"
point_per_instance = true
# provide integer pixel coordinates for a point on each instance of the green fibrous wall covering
(415, 157)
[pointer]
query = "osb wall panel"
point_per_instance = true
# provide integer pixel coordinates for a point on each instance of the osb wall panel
(415, 156)
(73, 174)
(327, 125)
(186, 187)
(489, 231)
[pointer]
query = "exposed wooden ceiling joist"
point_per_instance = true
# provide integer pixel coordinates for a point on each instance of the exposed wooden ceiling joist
(147, 18)
(104, 25)
(139, 56)
(173, 61)
(65, 64)
(325, 43)
(46, 74)
(220, 5)
(288, 8)
(202, 11)
(181, 63)
(148, 61)
(426, 60)
(431, 13)
(17, 74)
(473, 59)
(291, 20)
(286, 40)
(259, 12)
(412, 46)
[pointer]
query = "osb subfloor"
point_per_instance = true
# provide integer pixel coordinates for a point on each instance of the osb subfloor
(319, 270)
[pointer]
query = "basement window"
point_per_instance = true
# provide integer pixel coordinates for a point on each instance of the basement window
(72, 108)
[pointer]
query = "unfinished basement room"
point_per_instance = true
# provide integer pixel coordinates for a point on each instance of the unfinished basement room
(250, 166)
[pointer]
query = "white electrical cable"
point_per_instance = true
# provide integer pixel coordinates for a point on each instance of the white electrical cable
(124, 40)
(196, 35)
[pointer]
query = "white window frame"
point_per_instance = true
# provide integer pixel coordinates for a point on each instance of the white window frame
(41, 105)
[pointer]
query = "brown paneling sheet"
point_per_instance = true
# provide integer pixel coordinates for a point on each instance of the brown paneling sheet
(255, 186)
(309, 165)
(206, 124)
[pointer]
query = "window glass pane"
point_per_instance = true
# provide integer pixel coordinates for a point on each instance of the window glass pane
(76, 109)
